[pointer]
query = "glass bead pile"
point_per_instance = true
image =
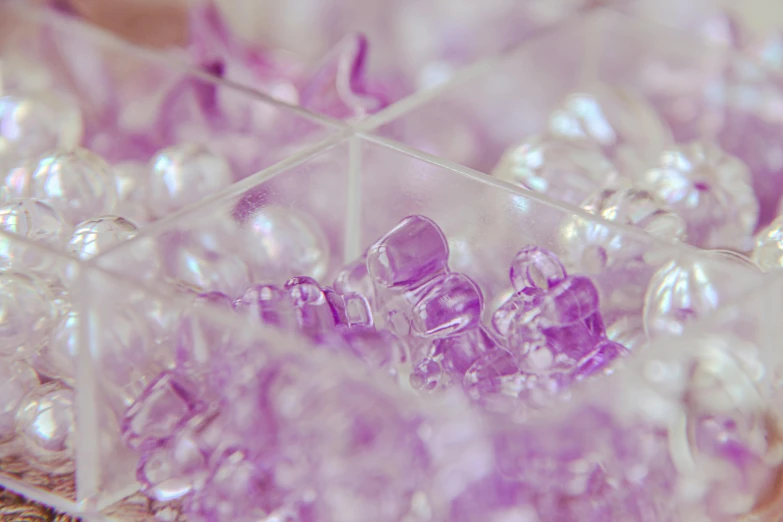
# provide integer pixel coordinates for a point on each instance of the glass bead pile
(531, 275)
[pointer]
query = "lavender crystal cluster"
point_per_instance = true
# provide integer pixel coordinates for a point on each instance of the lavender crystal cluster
(259, 280)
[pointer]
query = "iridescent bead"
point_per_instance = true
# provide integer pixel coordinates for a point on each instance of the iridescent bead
(78, 183)
(46, 426)
(711, 190)
(448, 306)
(17, 379)
(27, 314)
(167, 401)
(639, 208)
(182, 175)
(94, 236)
(622, 123)
(411, 252)
(37, 123)
(563, 169)
(36, 221)
(768, 251)
(279, 243)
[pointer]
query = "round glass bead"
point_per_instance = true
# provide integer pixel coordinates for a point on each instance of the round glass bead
(77, 182)
(184, 174)
(35, 124)
(623, 124)
(768, 252)
(281, 243)
(564, 169)
(95, 236)
(27, 313)
(17, 379)
(36, 221)
(130, 177)
(711, 190)
(46, 426)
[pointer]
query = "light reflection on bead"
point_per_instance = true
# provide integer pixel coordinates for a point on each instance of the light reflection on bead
(46, 425)
(77, 182)
(34, 124)
(623, 124)
(768, 251)
(27, 313)
(711, 190)
(280, 243)
(17, 379)
(564, 169)
(184, 174)
(37, 222)
(91, 238)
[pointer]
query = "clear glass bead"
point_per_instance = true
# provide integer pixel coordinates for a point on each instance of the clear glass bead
(184, 174)
(568, 170)
(130, 176)
(35, 124)
(27, 313)
(78, 183)
(711, 190)
(36, 221)
(280, 243)
(95, 236)
(46, 426)
(17, 379)
(768, 251)
(622, 123)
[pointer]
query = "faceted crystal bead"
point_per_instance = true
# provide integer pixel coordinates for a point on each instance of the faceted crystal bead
(450, 305)
(46, 426)
(36, 124)
(709, 189)
(166, 402)
(620, 122)
(768, 251)
(639, 208)
(280, 243)
(411, 252)
(36, 221)
(563, 169)
(27, 314)
(78, 183)
(268, 302)
(94, 236)
(182, 175)
(17, 379)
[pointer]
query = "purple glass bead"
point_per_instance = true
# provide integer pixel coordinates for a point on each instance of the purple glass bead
(425, 375)
(377, 348)
(535, 267)
(167, 401)
(313, 312)
(575, 299)
(410, 253)
(493, 373)
(354, 278)
(268, 302)
(600, 359)
(357, 311)
(459, 352)
(508, 313)
(449, 305)
(711, 190)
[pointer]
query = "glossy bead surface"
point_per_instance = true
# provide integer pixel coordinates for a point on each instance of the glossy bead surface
(184, 174)
(77, 182)
(448, 306)
(17, 379)
(27, 313)
(563, 169)
(768, 250)
(711, 190)
(280, 243)
(411, 252)
(535, 267)
(36, 221)
(46, 425)
(93, 237)
(617, 120)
